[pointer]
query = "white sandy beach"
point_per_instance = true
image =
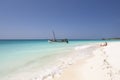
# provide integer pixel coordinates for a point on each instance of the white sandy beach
(98, 63)
(103, 65)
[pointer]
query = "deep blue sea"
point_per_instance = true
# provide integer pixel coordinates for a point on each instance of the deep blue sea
(23, 58)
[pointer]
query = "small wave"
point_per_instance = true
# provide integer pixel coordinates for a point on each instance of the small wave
(82, 47)
(56, 71)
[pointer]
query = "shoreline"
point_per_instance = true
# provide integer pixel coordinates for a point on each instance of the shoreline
(79, 55)
(55, 71)
(74, 71)
(87, 62)
(102, 65)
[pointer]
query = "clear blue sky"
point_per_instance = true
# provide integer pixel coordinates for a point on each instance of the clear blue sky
(35, 19)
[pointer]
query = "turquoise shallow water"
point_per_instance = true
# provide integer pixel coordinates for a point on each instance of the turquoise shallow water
(26, 55)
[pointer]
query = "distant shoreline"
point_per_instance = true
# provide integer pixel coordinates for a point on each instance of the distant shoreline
(68, 38)
(112, 39)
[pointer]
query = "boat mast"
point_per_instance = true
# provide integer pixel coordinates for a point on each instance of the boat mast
(53, 36)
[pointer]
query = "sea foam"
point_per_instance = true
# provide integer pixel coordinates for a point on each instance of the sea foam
(64, 63)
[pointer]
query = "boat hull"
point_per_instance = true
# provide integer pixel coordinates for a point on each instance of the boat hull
(60, 40)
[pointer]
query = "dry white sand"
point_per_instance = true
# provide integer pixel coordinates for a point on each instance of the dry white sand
(103, 65)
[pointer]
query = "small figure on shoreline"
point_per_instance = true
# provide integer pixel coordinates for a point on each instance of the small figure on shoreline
(103, 44)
